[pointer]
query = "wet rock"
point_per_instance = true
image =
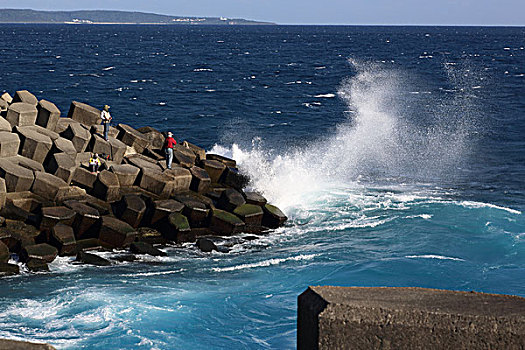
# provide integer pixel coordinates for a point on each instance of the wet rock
(225, 223)
(4, 253)
(6, 97)
(16, 235)
(225, 160)
(49, 186)
(4, 124)
(17, 178)
(273, 216)
(195, 210)
(161, 209)
(154, 137)
(44, 252)
(156, 182)
(132, 137)
(33, 144)
(48, 115)
(86, 217)
(178, 229)
(249, 213)
(21, 114)
(255, 198)
(61, 165)
(116, 233)
(8, 269)
(151, 236)
(233, 178)
(78, 135)
(37, 265)
(84, 178)
(25, 97)
(124, 258)
(106, 186)
(180, 179)
(131, 209)
(52, 216)
(89, 244)
(200, 181)
(146, 248)
(230, 199)
(63, 238)
(9, 144)
(126, 174)
(206, 245)
(84, 113)
(92, 259)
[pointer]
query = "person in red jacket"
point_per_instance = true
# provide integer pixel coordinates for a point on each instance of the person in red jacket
(168, 146)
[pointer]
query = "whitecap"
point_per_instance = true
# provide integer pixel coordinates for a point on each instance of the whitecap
(265, 263)
(432, 256)
(148, 274)
(325, 96)
(108, 68)
(162, 103)
(321, 67)
(422, 216)
(477, 205)
(203, 70)
(476, 87)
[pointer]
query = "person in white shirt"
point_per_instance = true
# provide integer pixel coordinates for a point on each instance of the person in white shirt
(106, 119)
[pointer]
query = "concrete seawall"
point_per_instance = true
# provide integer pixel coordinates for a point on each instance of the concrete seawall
(408, 318)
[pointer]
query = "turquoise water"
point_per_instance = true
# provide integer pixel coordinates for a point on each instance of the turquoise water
(397, 154)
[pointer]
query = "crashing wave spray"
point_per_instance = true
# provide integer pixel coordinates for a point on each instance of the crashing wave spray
(376, 143)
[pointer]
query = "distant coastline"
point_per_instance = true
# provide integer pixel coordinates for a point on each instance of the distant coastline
(91, 17)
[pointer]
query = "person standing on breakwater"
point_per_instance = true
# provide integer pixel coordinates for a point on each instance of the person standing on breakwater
(106, 119)
(168, 145)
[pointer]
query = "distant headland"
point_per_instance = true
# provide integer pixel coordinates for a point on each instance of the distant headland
(113, 17)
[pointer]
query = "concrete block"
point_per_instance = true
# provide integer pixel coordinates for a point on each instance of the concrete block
(49, 186)
(63, 145)
(77, 134)
(6, 97)
(33, 145)
(63, 124)
(62, 165)
(106, 187)
(132, 137)
(214, 168)
(181, 178)
(48, 115)
(155, 138)
(17, 178)
(21, 114)
(408, 318)
(126, 174)
(156, 182)
(116, 233)
(200, 181)
(9, 144)
(4, 124)
(25, 97)
(84, 114)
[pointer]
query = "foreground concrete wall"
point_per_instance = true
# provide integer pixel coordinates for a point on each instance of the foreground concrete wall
(408, 318)
(22, 345)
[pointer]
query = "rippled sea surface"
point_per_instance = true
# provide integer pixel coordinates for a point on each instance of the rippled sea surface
(397, 153)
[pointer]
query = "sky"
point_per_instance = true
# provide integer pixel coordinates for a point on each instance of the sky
(382, 12)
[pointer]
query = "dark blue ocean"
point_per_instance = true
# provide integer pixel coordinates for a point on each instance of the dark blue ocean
(398, 154)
